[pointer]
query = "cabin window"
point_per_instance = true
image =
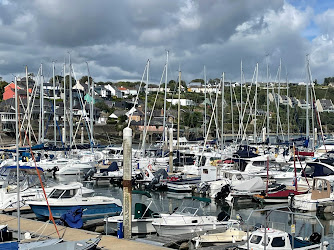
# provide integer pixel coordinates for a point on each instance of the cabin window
(205, 171)
(265, 243)
(309, 171)
(278, 242)
(255, 239)
(327, 171)
(56, 193)
(68, 193)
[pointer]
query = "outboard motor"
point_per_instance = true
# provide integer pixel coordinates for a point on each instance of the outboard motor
(224, 192)
(90, 173)
(315, 238)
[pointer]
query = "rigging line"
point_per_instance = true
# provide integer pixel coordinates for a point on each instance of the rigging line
(208, 132)
(318, 118)
(155, 100)
(41, 182)
(84, 111)
(137, 96)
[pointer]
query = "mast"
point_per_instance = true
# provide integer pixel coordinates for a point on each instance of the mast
(240, 115)
(42, 104)
(28, 104)
(165, 104)
(145, 110)
(17, 161)
(278, 97)
(178, 113)
(307, 101)
(91, 113)
(267, 99)
(64, 104)
(288, 109)
(54, 104)
(204, 101)
(71, 102)
(232, 110)
(257, 72)
(222, 94)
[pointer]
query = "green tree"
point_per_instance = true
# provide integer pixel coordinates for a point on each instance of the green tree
(84, 79)
(2, 88)
(58, 78)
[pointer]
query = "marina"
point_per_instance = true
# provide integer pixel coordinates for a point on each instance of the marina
(106, 144)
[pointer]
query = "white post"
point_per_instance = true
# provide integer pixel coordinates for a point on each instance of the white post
(127, 186)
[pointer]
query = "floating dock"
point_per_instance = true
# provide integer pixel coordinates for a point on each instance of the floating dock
(38, 228)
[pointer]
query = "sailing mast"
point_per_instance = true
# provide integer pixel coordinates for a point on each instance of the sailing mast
(17, 161)
(178, 113)
(255, 133)
(232, 118)
(165, 104)
(204, 101)
(267, 99)
(42, 106)
(241, 113)
(278, 97)
(71, 102)
(54, 104)
(222, 94)
(145, 116)
(91, 88)
(307, 102)
(64, 132)
(28, 104)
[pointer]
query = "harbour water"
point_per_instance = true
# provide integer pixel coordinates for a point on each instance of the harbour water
(165, 201)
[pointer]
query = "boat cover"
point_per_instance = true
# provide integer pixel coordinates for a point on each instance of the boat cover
(251, 185)
(73, 217)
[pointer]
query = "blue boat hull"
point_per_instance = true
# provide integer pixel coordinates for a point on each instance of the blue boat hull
(89, 212)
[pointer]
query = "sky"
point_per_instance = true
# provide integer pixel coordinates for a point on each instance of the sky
(117, 38)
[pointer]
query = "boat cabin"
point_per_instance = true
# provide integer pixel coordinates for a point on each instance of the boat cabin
(275, 239)
(322, 187)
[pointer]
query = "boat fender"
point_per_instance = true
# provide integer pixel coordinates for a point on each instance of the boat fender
(315, 238)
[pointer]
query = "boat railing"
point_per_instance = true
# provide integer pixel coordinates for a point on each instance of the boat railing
(287, 210)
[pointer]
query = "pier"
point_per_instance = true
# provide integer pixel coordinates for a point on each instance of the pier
(47, 230)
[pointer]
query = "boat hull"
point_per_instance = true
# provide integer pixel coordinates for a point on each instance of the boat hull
(138, 226)
(89, 211)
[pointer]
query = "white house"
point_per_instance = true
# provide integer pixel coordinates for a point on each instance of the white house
(113, 91)
(183, 102)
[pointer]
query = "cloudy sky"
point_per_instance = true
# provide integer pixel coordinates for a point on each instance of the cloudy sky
(116, 38)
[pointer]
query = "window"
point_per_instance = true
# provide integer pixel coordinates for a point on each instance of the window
(327, 171)
(255, 239)
(56, 193)
(68, 193)
(278, 242)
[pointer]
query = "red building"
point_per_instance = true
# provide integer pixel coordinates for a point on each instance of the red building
(9, 91)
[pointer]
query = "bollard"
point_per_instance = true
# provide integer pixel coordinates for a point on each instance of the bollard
(120, 233)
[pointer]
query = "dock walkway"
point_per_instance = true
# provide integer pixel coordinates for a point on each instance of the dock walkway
(68, 234)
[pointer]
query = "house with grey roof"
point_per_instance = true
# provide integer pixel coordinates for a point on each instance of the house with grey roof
(324, 105)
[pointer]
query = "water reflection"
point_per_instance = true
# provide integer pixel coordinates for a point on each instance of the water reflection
(168, 201)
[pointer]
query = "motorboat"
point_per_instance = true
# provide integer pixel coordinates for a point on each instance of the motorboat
(142, 219)
(320, 197)
(186, 220)
(64, 197)
(269, 238)
(230, 235)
